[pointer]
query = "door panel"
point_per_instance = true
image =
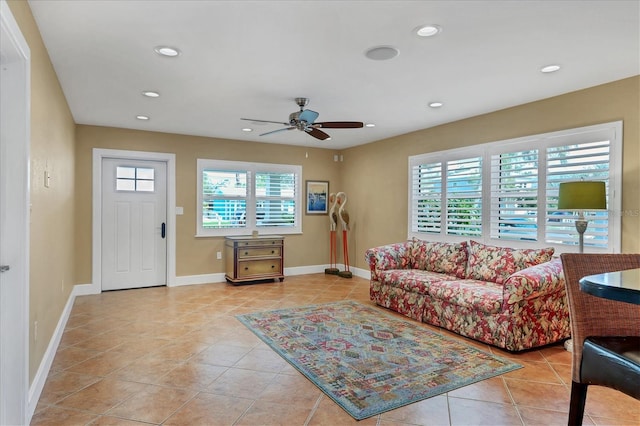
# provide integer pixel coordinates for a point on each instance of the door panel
(148, 235)
(134, 205)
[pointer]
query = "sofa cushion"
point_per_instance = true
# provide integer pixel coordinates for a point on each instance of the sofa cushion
(496, 264)
(477, 295)
(440, 257)
(413, 280)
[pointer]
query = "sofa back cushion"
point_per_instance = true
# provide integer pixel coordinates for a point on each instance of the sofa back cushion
(496, 264)
(441, 257)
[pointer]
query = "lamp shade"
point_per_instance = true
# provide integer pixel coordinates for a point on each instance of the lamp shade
(582, 195)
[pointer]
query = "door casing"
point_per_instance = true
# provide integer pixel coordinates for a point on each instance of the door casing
(15, 406)
(98, 155)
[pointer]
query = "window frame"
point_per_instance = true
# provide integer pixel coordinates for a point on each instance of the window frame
(541, 142)
(251, 168)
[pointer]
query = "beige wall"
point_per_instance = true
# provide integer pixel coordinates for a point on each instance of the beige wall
(375, 175)
(196, 256)
(52, 257)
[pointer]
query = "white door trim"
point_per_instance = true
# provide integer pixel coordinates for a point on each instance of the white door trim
(170, 159)
(14, 326)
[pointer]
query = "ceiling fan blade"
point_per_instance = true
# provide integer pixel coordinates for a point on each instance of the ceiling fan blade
(308, 116)
(317, 133)
(265, 121)
(339, 124)
(276, 131)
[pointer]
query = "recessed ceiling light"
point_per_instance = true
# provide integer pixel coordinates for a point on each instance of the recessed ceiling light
(167, 51)
(382, 53)
(550, 68)
(428, 30)
(142, 117)
(435, 104)
(151, 94)
(369, 125)
(246, 129)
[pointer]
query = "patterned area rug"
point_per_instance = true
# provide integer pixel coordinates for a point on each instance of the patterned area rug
(367, 361)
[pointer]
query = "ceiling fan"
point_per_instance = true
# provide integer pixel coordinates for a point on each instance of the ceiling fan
(305, 121)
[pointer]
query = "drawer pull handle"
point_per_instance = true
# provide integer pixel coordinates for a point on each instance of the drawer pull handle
(246, 253)
(246, 268)
(273, 266)
(273, 251)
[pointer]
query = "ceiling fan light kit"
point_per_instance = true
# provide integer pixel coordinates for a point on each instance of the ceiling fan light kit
(305, 121)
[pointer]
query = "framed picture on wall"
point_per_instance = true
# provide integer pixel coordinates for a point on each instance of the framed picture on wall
(317, 196)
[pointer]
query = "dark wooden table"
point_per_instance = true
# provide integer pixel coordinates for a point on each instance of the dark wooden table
(623, 286)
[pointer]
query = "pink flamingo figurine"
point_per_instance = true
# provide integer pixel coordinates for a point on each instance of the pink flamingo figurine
(343, 214)
(333, 222)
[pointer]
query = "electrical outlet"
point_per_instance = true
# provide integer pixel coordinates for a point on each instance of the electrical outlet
(35, 331)
(219, 255)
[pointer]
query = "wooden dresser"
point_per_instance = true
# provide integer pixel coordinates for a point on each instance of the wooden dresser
(249, 258)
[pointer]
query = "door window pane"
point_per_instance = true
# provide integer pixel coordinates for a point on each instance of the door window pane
(135, 179)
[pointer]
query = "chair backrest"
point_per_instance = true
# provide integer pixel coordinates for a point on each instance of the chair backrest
(595, 316)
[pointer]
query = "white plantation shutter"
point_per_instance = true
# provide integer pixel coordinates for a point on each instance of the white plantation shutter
(426, 184)
(456, 184)
(582, 161)
(275, 199)
(514, 195)
(224, 198)
(464, 197)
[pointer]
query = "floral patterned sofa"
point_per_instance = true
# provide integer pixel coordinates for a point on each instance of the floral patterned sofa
(510, 298)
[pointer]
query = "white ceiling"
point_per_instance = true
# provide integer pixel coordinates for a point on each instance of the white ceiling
(252, 58)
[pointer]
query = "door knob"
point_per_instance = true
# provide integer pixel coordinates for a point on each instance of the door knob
(4, 268)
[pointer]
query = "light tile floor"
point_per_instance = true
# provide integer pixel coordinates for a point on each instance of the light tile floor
(178, 356)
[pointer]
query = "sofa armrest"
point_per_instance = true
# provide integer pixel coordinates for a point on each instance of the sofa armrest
(534, 281)
(387, 257)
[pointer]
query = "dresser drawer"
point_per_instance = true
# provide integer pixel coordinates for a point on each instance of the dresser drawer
(259, 252)
(259, 243)
(262, 268)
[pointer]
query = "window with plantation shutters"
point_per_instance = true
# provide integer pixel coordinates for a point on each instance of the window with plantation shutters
(506, 192)
(239, 198)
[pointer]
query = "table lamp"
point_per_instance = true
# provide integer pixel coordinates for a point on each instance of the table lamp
(580, 196)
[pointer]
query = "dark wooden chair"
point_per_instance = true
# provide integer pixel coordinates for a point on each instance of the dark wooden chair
(605, 333)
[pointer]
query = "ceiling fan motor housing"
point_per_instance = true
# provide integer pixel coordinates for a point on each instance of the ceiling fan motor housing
(294, 117)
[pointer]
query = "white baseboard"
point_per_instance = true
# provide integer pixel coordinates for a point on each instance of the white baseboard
(85, 290)
(298, 270)
(35, 390)
(362, 273)
(317, 269)
(199, 279)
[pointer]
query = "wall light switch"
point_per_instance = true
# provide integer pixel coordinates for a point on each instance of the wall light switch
(47, 179)
(179, 210)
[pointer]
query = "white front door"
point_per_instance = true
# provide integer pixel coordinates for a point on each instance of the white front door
(14, 220)
(134, 223)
